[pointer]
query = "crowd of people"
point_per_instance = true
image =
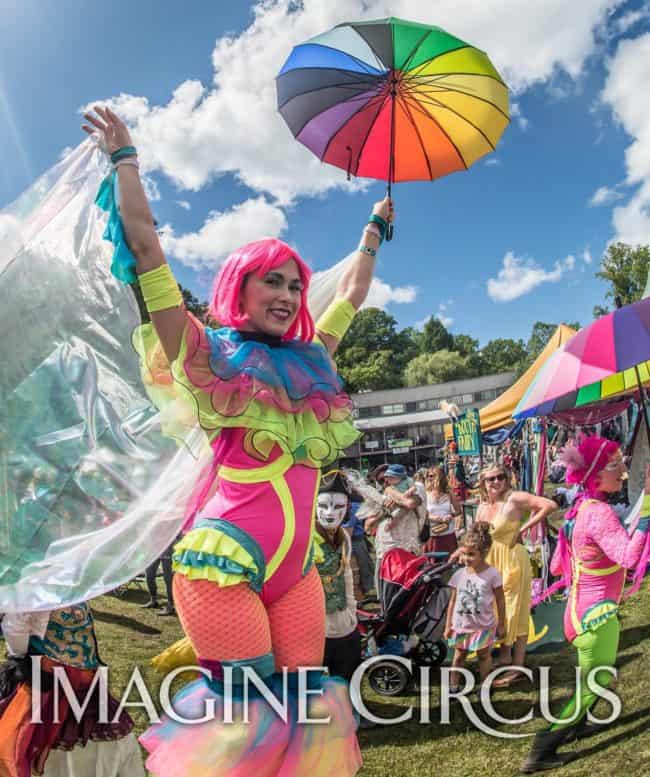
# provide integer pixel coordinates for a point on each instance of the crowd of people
(262, 568)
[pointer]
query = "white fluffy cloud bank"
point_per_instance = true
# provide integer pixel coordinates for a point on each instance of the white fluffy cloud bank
(221, 233)
(232, 126)
(626, 93)
(382, 294)
(519, 276)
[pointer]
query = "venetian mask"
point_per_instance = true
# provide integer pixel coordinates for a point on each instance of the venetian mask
(331, 509)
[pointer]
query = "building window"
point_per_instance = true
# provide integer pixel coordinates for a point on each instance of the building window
(392, 409)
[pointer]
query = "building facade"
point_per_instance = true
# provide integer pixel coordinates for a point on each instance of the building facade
(406, 425)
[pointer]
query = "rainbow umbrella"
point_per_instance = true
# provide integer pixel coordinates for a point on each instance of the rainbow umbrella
(393, 100)
(609, 357)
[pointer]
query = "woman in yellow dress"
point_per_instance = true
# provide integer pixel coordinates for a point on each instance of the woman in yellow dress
(504, 510)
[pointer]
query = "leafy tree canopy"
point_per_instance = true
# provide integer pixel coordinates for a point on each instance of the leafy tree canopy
(438, 367)
(465, 345)
(435, 337)
(502, 355)
(625, 270)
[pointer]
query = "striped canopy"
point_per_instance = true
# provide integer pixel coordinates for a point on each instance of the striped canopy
(393, 100)
(605, 359)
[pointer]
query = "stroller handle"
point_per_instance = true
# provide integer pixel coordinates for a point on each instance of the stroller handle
(436, 570)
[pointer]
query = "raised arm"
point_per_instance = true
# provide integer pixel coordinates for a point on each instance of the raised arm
(140, 230)
(355, 282)
(539, 507)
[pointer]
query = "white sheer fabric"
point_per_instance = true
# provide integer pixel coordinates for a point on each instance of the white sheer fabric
(91, 491)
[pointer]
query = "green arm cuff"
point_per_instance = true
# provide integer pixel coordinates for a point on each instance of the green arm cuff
(336, 320)
(160, 289)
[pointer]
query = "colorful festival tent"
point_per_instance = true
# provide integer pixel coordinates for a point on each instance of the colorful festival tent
(498, 413)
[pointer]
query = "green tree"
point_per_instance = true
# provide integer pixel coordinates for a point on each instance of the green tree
(502, 355)
(194, 306)
(465, 345)
(438, 367)
(540, 334)
(373, 353)
(435, 337)
(625, 269)
(374, 372)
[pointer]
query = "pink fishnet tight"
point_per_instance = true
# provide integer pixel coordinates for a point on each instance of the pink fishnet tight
(231, 623)
(223, 624)
(298, 624)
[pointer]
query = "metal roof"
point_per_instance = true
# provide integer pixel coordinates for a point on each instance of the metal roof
(403, 419)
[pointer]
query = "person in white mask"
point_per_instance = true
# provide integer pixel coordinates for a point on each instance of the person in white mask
(342, 640)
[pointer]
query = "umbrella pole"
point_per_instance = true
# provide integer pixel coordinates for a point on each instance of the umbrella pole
(644, 407)
(391, 159)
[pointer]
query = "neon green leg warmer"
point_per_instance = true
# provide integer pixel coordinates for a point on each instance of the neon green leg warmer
(595, 648)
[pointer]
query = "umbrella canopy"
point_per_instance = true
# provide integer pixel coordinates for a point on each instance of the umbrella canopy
(393, 100)
(606, 358)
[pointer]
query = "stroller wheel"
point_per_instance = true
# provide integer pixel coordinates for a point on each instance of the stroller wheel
(431, 653)
(388, 678)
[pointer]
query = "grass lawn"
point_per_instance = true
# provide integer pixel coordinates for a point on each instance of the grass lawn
(130, 636)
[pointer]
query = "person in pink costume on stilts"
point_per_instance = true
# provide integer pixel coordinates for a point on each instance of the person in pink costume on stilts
(265, 391)
(594, 554)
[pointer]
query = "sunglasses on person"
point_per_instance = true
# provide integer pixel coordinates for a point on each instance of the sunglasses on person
(496, 478)
(615, 464)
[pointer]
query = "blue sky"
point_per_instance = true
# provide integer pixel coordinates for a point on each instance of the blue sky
(515, 239)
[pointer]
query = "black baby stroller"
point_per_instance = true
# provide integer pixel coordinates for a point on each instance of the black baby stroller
(414, 599)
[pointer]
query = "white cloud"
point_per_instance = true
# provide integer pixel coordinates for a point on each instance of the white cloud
(627, 20)
(492, 161)
(151, 188)
(605, 196)
(382, 294)
(515, 113)
(184, 204)
(232, 126)
(221, 233)
(587, 258)
(519, 276)
(626, 85)
(442, 316)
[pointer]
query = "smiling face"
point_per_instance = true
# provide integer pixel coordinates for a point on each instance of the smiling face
(611, 477)
(331, 509)
(470, 556)
(495, 482)
(272, 302)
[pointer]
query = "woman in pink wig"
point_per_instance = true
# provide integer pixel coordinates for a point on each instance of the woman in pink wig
(593, 555)
(265, 390)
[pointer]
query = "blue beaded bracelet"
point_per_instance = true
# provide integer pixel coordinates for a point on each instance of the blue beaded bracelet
(367, 250)
(123, 152)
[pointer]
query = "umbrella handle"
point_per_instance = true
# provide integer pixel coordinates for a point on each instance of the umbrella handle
(389, 229)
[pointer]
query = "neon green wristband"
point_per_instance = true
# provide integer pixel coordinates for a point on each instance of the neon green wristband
(160, 289)
(336, 320)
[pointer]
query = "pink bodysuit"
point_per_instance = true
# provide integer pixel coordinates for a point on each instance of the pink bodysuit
(272, 502)
(601, 551)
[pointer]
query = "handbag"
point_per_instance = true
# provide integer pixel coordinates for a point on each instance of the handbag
(425, 532)
(438, 527)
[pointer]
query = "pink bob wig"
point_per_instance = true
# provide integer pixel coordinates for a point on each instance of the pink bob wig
(585, 461)
(258, 257)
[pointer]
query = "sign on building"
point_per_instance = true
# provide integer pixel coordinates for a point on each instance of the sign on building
(467, 433)
(401, 443)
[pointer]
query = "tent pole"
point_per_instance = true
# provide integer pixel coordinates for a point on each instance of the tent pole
(644, 407)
